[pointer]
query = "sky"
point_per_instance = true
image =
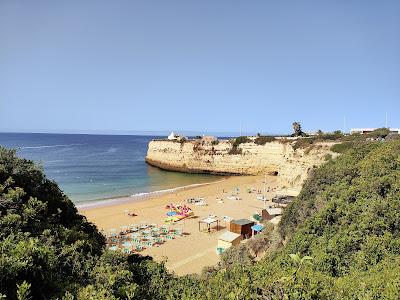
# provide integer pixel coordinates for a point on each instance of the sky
(204, 66)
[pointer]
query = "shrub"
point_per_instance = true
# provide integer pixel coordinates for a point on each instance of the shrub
(342, 147)
(235, 151)
(378, 133)
(236, 142)
(240, 140)
(262, 140)
(303, 143)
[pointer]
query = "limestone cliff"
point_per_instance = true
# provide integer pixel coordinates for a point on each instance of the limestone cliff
(276, 158)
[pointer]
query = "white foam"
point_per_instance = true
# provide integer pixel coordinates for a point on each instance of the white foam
(137, 197)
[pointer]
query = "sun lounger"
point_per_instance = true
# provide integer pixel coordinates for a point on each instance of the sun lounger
(177, 232)
(233, 198)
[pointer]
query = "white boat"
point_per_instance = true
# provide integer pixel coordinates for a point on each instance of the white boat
(262, 198)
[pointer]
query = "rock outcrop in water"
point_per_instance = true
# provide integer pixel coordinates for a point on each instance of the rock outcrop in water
(216, 157)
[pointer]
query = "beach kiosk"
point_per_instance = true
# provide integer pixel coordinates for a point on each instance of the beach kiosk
(242, 227)
(209, 222)
(270, 213)
(227, 240)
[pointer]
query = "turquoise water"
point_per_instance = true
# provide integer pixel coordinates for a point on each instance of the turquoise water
(93, 167)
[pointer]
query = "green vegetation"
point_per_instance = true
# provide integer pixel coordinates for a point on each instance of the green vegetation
(340, 239)
(345, 142)
(342, 147)
(262, 140)
(47, 248)
(235, 151)
(240, 140)
(308, 142)
(349, 141)
(235, 144)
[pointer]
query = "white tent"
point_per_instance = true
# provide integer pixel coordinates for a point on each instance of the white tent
(172, 136)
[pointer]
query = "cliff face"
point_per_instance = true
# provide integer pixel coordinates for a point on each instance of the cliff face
(276, 158)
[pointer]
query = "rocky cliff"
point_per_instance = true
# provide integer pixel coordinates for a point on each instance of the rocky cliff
(276, 158)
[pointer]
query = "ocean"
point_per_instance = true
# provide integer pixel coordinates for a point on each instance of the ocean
(89, 168)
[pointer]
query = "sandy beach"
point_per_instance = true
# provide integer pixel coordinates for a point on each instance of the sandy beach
(196, 249)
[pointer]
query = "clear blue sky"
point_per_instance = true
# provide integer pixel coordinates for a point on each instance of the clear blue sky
(198, 65)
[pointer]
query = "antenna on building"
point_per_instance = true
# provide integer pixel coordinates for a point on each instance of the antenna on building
(241, 125)
(344, 124)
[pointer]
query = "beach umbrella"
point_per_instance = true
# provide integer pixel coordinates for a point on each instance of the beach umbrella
(127, 244)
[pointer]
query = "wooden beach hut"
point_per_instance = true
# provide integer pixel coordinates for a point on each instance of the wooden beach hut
(228, 239)
(270, 213)
(242, 227)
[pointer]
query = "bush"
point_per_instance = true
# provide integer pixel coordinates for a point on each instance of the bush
(235, 151)
(262, 140)
(47, 248)
(303, 143)
(379, 133)
(341, 148)
(240, 140)
(235, 144)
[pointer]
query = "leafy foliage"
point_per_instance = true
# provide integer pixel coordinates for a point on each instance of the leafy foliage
(235, 144)
(47, 248)
(240, 140)
(262, 140)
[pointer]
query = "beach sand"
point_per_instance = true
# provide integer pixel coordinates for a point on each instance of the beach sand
(196, 249)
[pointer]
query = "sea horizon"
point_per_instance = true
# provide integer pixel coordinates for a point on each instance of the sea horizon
(150, 133)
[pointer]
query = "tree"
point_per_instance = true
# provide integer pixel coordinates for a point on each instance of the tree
(297, 131)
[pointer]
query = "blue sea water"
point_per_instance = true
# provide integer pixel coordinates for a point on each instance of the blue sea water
(93, 167)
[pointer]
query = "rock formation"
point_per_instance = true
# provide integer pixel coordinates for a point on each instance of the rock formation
(216, 157)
